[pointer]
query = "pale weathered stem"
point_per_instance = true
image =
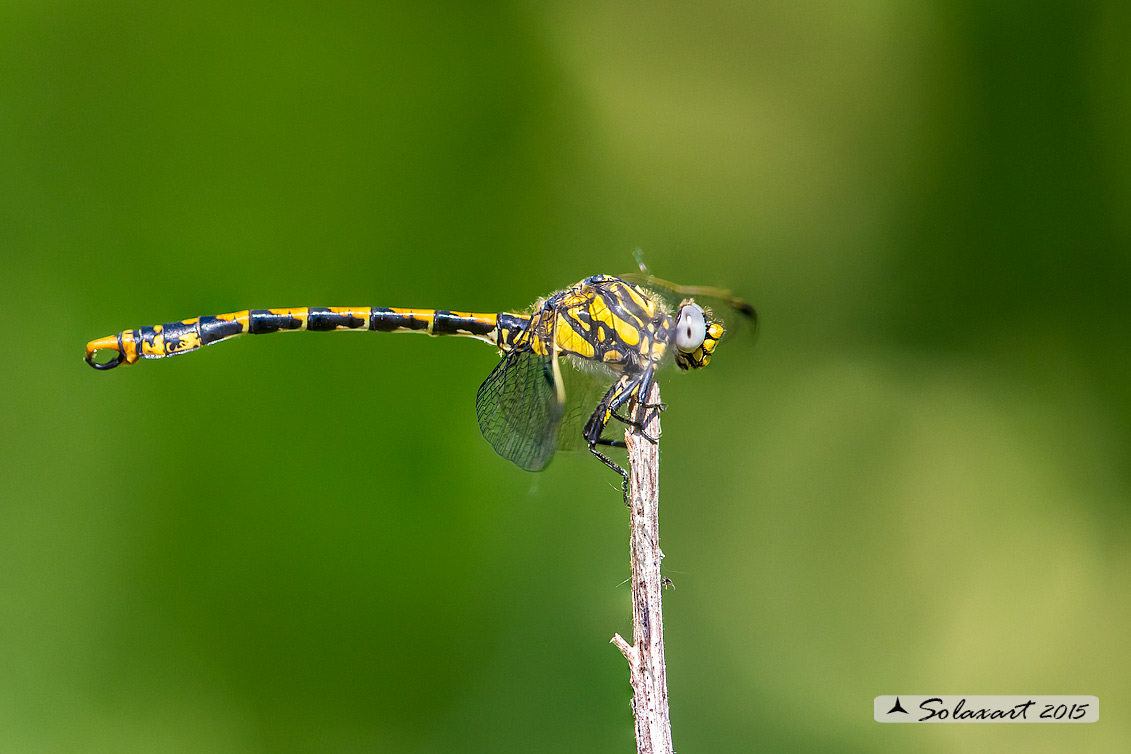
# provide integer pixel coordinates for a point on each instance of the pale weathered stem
(647, 669)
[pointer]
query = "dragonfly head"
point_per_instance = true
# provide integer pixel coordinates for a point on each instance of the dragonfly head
(696, 336)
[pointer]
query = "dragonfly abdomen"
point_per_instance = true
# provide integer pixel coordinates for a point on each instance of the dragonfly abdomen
(159, 341)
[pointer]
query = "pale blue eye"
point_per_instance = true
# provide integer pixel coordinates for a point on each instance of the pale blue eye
(690, 328)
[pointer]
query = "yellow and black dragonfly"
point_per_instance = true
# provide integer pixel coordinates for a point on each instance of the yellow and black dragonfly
(621, 329)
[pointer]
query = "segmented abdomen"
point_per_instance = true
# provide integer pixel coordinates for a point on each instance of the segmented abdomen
(190, 334)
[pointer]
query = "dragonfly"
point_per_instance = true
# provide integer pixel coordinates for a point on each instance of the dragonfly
(613, 333)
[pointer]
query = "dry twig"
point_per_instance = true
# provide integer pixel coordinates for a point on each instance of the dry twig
(648, 671)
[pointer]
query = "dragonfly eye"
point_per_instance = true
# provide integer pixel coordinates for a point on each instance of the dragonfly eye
(690, 328)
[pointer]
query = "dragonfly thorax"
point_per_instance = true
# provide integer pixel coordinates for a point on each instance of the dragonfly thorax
(605, 320)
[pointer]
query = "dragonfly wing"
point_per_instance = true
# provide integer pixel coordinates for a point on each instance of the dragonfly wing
(518, 409)
(735, 313)
(585, 385)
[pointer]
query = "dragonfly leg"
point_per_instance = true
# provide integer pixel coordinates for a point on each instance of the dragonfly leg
(641, 388)
(636, 424)
(648, 416)
(622, 392)
(617, 395)
(615, 467)
(649, 408)
(658, 406)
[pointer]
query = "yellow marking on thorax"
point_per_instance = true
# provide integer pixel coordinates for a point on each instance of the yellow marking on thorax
(645, 303)
(571, 341)
(599, 311)
(646, 349)
(626, 331)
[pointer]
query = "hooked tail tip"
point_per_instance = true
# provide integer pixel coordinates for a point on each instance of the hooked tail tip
(104, 344)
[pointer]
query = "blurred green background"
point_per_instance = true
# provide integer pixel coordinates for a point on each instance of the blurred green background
(916, 480)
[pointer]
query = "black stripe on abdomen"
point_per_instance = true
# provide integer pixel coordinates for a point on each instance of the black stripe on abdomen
(382, 319)
(321, 319)
(446, 323)
(213, 329)
(265, 321)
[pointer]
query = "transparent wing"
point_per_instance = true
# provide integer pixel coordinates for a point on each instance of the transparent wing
(518, 409)
(519, 413)
(585, 385)
(735, 313)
